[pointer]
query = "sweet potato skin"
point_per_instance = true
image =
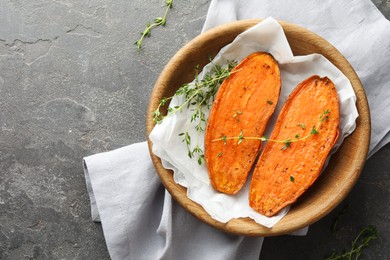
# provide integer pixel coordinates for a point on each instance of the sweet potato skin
(243, 105)
(282, 174)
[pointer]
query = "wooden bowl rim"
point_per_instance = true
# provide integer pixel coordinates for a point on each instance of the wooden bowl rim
(288, 224)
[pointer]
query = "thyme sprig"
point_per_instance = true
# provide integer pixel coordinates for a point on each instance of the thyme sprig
(192, 152)
(361, 241)
(287, 142)
(158, 21)
(198, 96)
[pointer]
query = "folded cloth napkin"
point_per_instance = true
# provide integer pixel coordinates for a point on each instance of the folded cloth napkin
(139, 218)
(141, 221)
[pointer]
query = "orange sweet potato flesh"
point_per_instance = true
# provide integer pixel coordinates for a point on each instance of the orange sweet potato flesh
(244, 103)
(282, 174)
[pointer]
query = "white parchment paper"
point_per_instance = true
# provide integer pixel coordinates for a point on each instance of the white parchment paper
(266, 36)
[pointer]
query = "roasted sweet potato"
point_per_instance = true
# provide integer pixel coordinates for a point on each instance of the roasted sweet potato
(308, 128)
(243, 105)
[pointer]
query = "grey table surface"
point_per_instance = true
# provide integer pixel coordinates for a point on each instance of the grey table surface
(72, 84)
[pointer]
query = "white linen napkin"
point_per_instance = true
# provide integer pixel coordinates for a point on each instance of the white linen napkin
(139, 218)
(141, 221)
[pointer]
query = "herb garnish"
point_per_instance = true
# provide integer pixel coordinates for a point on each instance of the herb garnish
(240, 138)
(158, 21)
(325, 115)
(314, 131)
(361, 241)
(287, 142)
(198, 96)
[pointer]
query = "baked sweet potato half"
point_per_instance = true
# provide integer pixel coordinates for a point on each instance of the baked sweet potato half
(305, 132)
(243, 104)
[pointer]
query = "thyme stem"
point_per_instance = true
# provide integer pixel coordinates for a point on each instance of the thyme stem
(324, 117)
(262, 138)
(158, 21)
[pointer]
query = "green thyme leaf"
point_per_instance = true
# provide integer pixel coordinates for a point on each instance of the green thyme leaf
(240, 137)
(224, 138)
(287, 143)
(314, 131)
(325, 115)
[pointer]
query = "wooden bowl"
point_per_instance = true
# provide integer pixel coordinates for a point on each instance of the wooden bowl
(344, 167)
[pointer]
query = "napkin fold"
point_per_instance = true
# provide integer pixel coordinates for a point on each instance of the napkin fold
(141, 221)
(139, 218)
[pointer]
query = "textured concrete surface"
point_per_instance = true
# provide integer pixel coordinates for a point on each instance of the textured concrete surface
(72, 84)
